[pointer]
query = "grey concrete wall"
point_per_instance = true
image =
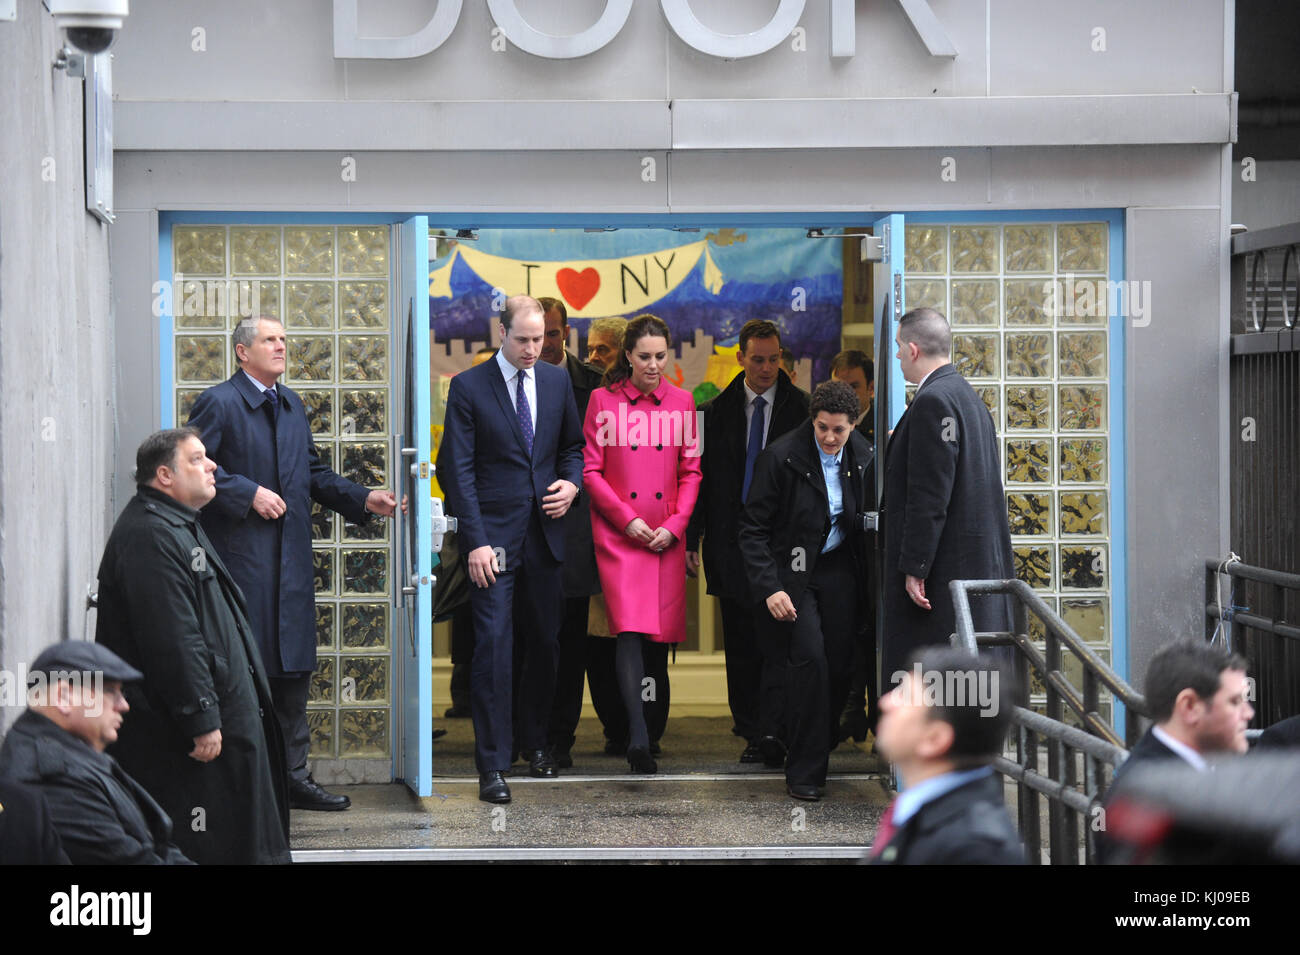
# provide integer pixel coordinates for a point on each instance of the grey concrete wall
(260, 51)
(56, 421)
(1273, 198)
(1176, 423)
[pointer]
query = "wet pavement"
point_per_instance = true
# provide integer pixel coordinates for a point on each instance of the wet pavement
(702, 802)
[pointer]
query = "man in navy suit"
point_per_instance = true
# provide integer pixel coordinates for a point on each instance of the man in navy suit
(268, 473)
(511, 466)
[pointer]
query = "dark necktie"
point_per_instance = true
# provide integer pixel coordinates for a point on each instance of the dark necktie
(885, 831)
(522, 409)
(755, 444)
(274, 398)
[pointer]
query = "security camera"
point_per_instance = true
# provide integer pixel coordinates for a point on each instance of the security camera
(91, 25)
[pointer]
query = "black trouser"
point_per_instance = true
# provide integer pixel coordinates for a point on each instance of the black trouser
(862, 688)
(755, 686)
(289, 697)
(522, 608)
(569, 677)
(818, 665)
(603, 683)
(462, 654)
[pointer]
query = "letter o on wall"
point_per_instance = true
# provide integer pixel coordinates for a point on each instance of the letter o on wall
(534, 41)
(731, 46)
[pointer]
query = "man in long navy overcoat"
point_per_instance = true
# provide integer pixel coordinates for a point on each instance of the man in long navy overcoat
(268, 473)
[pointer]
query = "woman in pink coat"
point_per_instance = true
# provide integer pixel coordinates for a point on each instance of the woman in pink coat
(642, 470)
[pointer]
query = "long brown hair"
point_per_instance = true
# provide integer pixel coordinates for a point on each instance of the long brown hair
(643, 326)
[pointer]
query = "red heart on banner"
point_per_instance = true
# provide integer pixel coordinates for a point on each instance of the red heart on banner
(578, 288)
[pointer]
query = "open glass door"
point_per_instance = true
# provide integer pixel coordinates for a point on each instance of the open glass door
(412, 557)
(891, 389)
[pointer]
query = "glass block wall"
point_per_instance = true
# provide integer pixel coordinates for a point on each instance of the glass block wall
(330, 286)
(1032, 337)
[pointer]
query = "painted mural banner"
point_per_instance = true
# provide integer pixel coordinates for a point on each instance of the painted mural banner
(705, 289)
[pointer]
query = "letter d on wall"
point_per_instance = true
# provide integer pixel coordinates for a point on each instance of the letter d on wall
(349, 44)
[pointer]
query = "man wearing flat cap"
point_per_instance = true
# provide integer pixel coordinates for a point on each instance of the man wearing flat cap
(76, 706)
(203, 737)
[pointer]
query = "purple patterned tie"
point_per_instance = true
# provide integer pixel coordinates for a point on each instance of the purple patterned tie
(522, 409)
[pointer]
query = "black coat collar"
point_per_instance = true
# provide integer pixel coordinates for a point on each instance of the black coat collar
(168, 508)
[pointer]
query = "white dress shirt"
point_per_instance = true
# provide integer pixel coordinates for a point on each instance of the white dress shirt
(1191, 756)
(511, 375)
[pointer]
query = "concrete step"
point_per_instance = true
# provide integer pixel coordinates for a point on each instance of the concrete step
(590, 819)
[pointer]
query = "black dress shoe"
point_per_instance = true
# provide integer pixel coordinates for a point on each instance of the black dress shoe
(806, 793)
(655, 750)
(752, 754)
(773, 751)
(563, 758)
(307, 794)
(457, 713)
(540, 764)
(615, 747)
(640, 761)
(492, 787)
(439, 734)
(853, 723)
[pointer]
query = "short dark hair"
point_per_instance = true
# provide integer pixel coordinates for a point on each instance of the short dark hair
(158, 450)
(1182, 665)
(854, 358)
(978, 733)
(757, 328)
(929, 330)
(549, 304)
(787, 358)
(486, 350)
(835, 397)
(519, 305)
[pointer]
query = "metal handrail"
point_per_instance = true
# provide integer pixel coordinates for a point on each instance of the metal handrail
(1098, 744)
(1217, 613)
(1061, 631)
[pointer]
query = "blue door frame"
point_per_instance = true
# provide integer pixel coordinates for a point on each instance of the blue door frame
(411, 627)
(1114, 218)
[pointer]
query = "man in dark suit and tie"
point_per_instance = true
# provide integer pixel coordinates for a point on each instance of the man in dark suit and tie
(941, 727)
(944, 513)
(1198, 696)
(758, 407)
(268, 473)
(513, 455)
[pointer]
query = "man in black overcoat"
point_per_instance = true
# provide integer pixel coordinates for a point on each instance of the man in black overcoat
(578, 575)
(203, 738)
(732, 439)
(268, 474)
(944, 513)
(90, 808)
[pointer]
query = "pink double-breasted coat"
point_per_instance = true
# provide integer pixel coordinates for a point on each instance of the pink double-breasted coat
(642, 460)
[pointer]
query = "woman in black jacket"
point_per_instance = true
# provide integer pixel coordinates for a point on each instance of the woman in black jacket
(804, 548)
